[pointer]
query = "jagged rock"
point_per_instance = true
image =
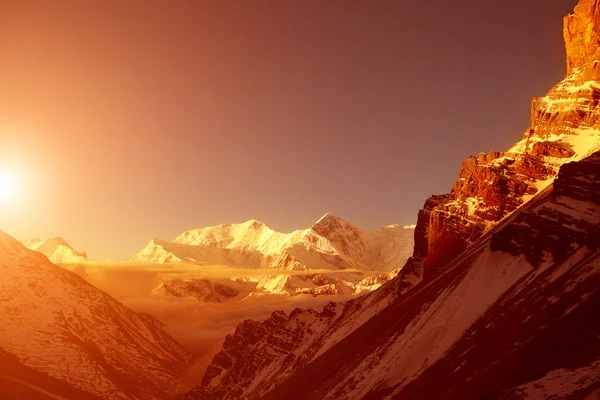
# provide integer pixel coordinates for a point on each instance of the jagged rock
(565, 125)
(500, 288)
(552, 149)
(582, 34)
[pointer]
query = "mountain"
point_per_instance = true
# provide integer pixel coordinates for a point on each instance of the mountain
(500, 296)
(57, 249)
(60, 337)
(333, 256)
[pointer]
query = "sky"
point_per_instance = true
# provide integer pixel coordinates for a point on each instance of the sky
(121, 121)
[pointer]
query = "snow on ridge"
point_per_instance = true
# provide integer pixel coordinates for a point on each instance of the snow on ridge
(57, 249)
(331, 244)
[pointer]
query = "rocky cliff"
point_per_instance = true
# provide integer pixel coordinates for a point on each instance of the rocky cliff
(509, 316)
(582, 34)
(517, 232)
(565, 126)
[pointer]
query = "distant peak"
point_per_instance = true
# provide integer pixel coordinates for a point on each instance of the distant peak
(253, 223)
(54, 248)
(329, 218)
(53, 242)
(157, 242)
(59, 241)
(329, 223)
(413, 226)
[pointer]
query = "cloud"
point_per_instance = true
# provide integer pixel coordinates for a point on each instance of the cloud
(201, 327)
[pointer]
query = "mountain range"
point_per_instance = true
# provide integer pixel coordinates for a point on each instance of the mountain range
(332, 257)
(500, 296)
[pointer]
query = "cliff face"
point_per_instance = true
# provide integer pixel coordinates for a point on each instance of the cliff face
(565, 126)
(582, 34)
(504, 266)
(508, 317)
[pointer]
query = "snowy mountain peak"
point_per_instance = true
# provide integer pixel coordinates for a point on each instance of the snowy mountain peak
(346, 237)
(252, 223)
(329, 219)
(57, 249)
(331, 244)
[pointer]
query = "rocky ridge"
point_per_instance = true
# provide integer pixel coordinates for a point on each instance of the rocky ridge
(516, 225)
(484, 326)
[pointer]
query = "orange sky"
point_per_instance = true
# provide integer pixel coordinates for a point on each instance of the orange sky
(127, 120)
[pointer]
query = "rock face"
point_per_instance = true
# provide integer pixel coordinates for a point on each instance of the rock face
(493, 324)
(333, 257)
(60, 337)
(499, 295)
(565, 126)
(569, 217)
(274, 346)
(582, 34)
(481, 329)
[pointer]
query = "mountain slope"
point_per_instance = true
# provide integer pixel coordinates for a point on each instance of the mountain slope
(60, 335)
(487, 322)
(516, 238)
(355, 260)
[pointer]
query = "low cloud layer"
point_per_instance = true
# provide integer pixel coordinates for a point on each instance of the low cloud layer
(201, 327)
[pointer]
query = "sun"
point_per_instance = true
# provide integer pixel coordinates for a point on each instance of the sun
(8, 187)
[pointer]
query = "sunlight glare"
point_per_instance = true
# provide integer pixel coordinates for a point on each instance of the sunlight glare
(8, 187)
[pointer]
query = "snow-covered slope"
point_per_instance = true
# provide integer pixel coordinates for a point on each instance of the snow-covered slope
(57, 250)
(517, 307)
(334, 256)
(62, 337)
(501, 293)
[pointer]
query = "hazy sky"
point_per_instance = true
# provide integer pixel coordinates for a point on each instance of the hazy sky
(126, 120)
